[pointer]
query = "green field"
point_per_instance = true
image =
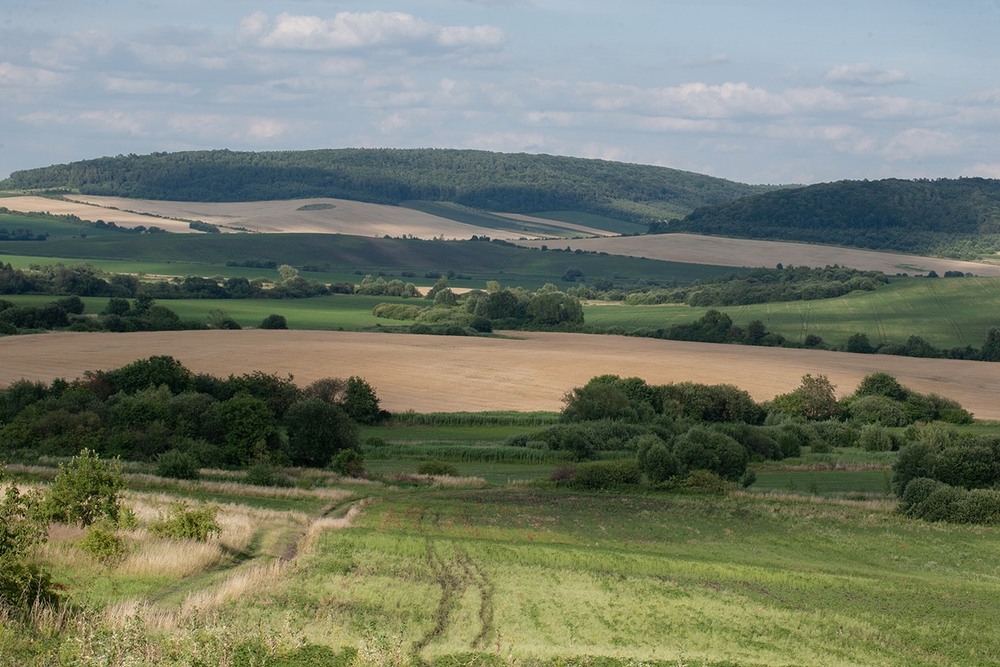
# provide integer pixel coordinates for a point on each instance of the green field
(336, 257)
(951, 312)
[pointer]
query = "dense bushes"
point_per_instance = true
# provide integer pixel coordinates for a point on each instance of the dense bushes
(932, 500)
(157, 410)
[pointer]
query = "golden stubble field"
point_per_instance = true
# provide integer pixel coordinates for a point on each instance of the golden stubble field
(722, 251)
(527, 371)
(338, 216)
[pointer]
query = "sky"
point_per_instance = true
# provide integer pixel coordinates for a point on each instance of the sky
(766, 91)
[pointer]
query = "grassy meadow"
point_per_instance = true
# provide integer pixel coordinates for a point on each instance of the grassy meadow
(952, 312)
(526, 575)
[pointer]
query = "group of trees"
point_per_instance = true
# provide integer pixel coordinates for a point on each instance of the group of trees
(790, 283)
(68, 314)
(482, 311)
(156, 407)
(670, 431)
(954, 217)
(86, 280)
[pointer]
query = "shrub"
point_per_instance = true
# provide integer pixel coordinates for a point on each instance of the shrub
(875, 438)
(177, 465)
(915, 461)
(437, 468)
(317, 431)
(595, 475)
(274, 321)
(972, 466)
(348, 463)
(656, 460)
(265, 474)
(86, 490)
(706, 481)
(702, 448)
(22, 528)
(878, 409)
(184, 523)
(104, 544)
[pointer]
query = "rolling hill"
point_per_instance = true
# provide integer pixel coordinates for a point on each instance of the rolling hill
(513, 183)
(957, 218)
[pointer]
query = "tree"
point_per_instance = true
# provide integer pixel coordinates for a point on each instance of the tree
(991, 345)
(814, 399)
(274, 321)
(287, 273)
(244, 426)
(318, 430)
(860, 344)
(22, 528)
(360, 401)
(86, 490)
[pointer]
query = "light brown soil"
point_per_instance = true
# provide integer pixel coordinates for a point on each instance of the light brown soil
(343, 216)
(530, 372)
(722, 251)
(92, 213)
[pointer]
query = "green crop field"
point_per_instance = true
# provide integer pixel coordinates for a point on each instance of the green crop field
(951, 312)
(339, 257)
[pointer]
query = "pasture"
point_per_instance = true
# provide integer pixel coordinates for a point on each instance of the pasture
(948, 312)
(527, 575)
(524, 371)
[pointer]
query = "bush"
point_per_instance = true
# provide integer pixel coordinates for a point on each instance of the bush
(915, 461)
(184, 523)
(274, 321)
(265, 474)
(878, 409)
(702, 448)
(348, 463)
(104, 544)
(86, 490)
(22, 528)
(875, 438)
(595, 475)
(177, 465)
(705, 481)
(437, 468)
(656, 460)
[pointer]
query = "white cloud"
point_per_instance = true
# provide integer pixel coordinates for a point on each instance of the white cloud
(983, 170)
(361, 30)
(863, 74)
(115, 84)
(915, 143)
(221, 127)
(15, 76)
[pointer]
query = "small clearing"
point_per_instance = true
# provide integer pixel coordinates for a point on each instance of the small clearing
(528, 371)
(722, 251)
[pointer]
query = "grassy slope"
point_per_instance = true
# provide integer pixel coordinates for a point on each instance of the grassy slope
(338, 256)
(947, 312)
(746, 579)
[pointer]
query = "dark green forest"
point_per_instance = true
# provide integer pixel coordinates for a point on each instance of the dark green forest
(518, 183)
(958, 218)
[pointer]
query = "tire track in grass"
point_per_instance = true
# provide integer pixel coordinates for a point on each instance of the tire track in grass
(454, 576)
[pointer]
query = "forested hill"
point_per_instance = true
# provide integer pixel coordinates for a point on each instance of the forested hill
(958, 218)
(516, 183)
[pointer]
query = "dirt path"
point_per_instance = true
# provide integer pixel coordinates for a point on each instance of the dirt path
(451, 373)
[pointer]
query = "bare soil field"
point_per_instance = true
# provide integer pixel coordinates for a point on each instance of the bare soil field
(722, 251)
(528, 371)
(323, 216)
(91, 212)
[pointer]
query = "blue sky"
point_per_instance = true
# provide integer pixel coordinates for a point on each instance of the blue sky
(762, 92)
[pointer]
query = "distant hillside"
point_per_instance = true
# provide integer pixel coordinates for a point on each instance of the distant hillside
(513, 183)
(956, 218)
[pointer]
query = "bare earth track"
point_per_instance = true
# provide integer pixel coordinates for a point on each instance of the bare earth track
(531, 371)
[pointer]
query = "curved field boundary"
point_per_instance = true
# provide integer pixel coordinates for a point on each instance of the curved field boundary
(449, 373)
(722, 251)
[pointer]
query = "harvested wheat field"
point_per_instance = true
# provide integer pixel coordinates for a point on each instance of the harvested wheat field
(320, 216)
(722, 251)
(530, 372)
